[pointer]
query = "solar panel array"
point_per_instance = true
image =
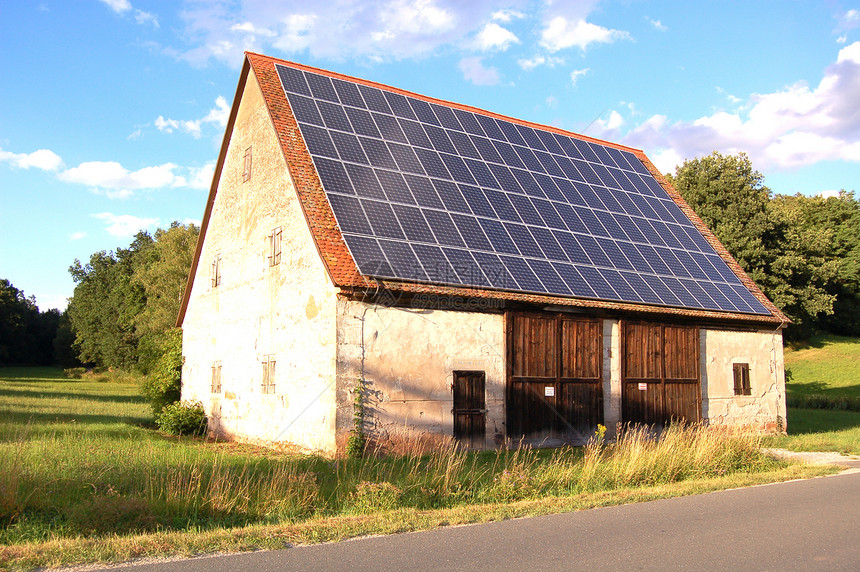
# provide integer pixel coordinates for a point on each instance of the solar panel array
(427, 192)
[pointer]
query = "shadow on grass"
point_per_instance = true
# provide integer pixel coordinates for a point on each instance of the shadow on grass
(78, 395)
(36, 419)
(819, 342)
(807, 421)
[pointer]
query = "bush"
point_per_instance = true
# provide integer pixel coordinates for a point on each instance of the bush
(163, 385)
(182, 419)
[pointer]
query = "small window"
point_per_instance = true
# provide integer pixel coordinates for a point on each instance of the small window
(216, 377)
(268, 385)
(246, 172)
(742, 378)
(275, 247)
(216, 271)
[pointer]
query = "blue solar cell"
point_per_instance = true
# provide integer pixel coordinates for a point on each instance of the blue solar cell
(572, 249)
(531, 138)
(333, 116)
(293, 80)
(406, 159)
(625, 182)
(574, 280)
(382, 219)
(435, 264)
(509, 156)
(486, 149)
(490, 127)
(569, 148)
(548, 214)
(482, 174)
(570, 193)
(415, 134)
(634, 256)
(620, 285)
(658, 207)
(523, 274)
(451, 196)
(654, 259)
(469, 122)
(666, 234)
(390, 128)
(677, 214)
(638, 166)
(440, 139)
(678, 289)
(374, 99)
(472, 232)
(717, 296)
(458, 169)
(699, 294)
(511, 133)
(618, 156)
(587, 172)
(548, 163)
(529, 159)
(504, 177)
(750, 300)
(446, 117)
(641, 187)
(627, 204)
(443, 227)
(368, 256)
(607, 197)
(423, 111)
(333, 176)
(615, 255)
(463, 144)
(432, 163)
(659, 287)
(548, 186)
(362, 122)
(495, 271)
(305, 110)
(706, 266)
(593, 250)
(630, 229)
(466, 268)
(528, 183)
(413, 224)
(526, 209)
(498, 236)
(606, 178)
(649, 232)
(321, 87)
(552, 282)
(399, 105)
(569, 169)
(611, 225)
(477, 201)
(690, 265)
(570, 218)
(423, 191)
(721, 267)
(585, 150)
(598, 283)
(656, 189)
(395, 187)
(348, 147)
(643, 206)
(348, 93)
(523, 240)
(502, 205)
(549, 141)
(349, 214)
(739, 301)
(603, 154)
(402, 260)
(697, 237)
(642, 289)
(675, 265)
(551, 249)
(318, 141)
(364, 182)
(377, 153)
(592, 223)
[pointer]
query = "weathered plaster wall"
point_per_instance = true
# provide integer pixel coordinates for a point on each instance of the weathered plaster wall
(611, 376)
(409, 356)
(286, 311)
(762, 350)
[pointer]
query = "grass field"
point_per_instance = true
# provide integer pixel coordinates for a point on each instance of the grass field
(84, 477)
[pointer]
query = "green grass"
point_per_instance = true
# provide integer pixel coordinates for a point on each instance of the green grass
(84, 477)
(825, 365)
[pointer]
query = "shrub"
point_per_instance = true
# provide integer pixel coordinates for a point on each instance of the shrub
(112, 514)
(182, 419)
(372, 497)
(164, 383)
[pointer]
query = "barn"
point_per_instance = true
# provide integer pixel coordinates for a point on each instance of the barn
(469, 275)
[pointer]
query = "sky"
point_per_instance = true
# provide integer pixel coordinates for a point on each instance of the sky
(112, 112)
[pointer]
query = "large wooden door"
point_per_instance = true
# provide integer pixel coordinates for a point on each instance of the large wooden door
(554, 387)
(470, 408)
(659, 373)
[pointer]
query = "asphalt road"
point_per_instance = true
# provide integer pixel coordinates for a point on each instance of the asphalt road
(800, 525)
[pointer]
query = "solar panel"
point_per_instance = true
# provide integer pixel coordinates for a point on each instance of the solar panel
(429, 192)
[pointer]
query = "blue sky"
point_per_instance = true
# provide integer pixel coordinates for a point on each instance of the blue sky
(112, 111)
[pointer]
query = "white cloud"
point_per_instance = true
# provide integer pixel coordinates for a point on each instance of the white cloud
(218, 115)
(551, 101)
(796, 126)
(142, 17)
(250, 28)
(494, 37)
(474, 71)
(507, 15)
(842, 39)
(118, 6)
(77, 235)
(576, 74)
(125, 225)
(52, 301)
(828, 194)
(658, 25)
(529, 64)
(113, 176)
(561, 33)
(849, 20)
(201, 177)
(43, 159)
(732, 99)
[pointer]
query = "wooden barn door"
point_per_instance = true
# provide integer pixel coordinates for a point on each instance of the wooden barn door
(660, 373)
(554, 388)
(469, 408)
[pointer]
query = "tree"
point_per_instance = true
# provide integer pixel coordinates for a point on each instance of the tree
(787, 258)
(26, 334)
